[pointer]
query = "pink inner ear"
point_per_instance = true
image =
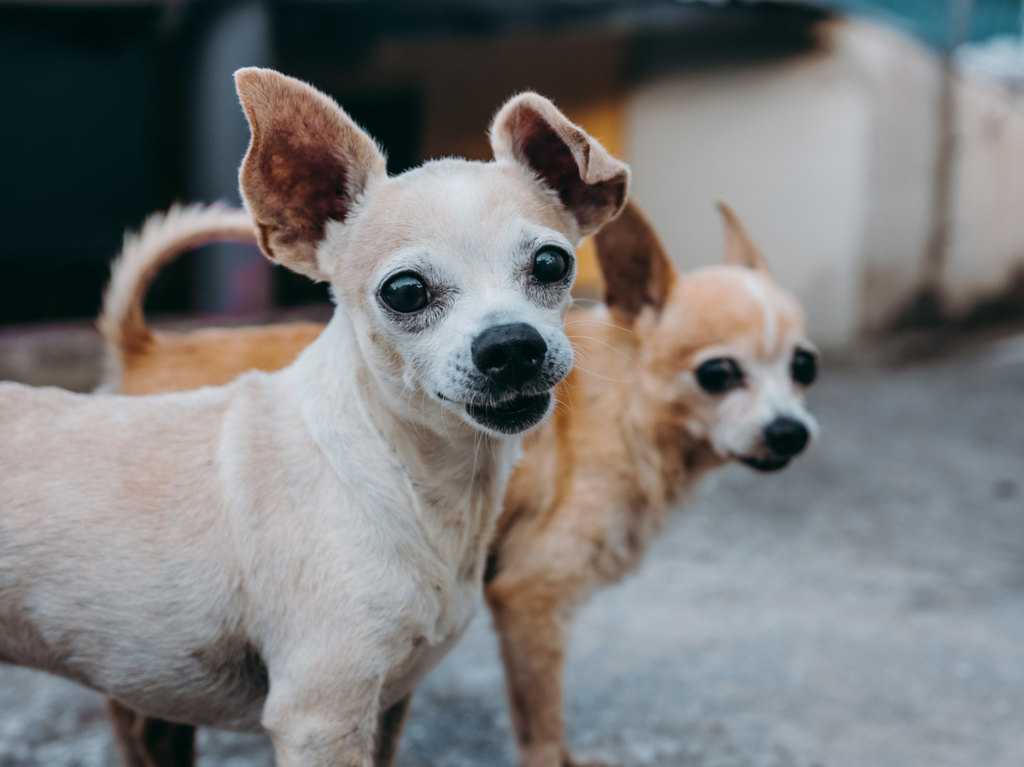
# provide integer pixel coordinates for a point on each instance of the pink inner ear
(303, 182)
(548, 155)
(553, 160)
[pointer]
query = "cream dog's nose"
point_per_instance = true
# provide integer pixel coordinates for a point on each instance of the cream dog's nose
(509, 354)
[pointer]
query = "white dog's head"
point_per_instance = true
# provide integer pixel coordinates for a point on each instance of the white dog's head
(455, 275)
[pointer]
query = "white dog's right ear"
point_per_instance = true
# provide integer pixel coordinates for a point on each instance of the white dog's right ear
(307, 164)
(591, 184)
(740, 250)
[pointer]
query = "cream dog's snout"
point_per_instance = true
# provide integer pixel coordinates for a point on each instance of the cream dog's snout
(510, 354)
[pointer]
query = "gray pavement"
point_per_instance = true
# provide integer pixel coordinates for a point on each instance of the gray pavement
(864, 608)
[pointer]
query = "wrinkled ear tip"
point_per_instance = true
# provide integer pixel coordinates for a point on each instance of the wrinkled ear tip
(523, 100)
(508, 115)
(530, 98)
(529, 129)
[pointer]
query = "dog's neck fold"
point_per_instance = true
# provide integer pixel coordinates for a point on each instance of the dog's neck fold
(669, 457)
(349, 409)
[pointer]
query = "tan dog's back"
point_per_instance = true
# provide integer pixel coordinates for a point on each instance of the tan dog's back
(143, 361)
(212, 356)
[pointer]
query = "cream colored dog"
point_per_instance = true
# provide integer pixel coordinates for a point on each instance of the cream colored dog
(294, 550)
(679, 374)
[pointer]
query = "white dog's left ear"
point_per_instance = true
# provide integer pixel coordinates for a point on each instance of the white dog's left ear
(591, 184)
(308, 164)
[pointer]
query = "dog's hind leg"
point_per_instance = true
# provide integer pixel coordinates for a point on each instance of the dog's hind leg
(147, 742)
(391, 724)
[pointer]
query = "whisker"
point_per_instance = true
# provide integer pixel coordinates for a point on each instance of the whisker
(603, 323)
(586, 303)
(602, 377)
(624, 355)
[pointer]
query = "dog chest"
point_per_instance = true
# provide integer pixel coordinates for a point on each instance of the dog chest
(428, 648)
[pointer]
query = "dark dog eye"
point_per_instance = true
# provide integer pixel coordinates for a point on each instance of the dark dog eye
(405, 293)
(804, 367)
(719, 375)
(550, 264)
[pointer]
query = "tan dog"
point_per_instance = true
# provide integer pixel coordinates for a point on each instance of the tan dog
(294, 550)
(679, 374)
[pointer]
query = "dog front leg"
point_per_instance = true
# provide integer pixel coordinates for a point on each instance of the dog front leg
(532, 628)
(320, 727)
(147, 742)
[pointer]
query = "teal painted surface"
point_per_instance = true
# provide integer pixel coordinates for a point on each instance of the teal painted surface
(928, 20)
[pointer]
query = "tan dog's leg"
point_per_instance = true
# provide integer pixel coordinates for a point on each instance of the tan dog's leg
(146, 742)
(531, 621)
(391, 724)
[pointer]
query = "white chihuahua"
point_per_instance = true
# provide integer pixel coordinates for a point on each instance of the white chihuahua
(296, 549)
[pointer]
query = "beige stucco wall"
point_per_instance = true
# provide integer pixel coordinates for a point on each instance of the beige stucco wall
(830, 159)
(987, 245)
(792, 166)
(899, 84)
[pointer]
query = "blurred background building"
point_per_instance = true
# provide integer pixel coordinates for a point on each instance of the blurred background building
(875, 149)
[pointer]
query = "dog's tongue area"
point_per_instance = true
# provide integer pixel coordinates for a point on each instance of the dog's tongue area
(767, 464)
(514, 415)
(514, 405)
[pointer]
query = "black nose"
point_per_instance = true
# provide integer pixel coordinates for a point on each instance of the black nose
(509, 354)
(786, 436)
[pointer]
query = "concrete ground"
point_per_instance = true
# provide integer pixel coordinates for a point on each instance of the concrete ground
(864, 607)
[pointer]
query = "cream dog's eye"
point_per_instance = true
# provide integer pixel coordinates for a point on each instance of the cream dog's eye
(804, 368)
(405, 293)
(550, 264)
(719, 375)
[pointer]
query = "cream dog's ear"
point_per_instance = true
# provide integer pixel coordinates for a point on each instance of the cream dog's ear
(591, 184)
(739, 248)
(637, 271)
(307, 164)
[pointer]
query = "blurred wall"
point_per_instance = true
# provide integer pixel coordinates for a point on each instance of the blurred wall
(124, 108)
(985, 271)
(823, 134)
(830, 158)
(786, 145)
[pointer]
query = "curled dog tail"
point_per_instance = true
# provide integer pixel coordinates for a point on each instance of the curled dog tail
(163, 237)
